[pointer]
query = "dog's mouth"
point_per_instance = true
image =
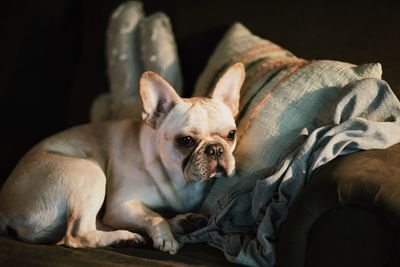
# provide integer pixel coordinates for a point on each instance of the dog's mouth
(195, 170)
(219, 171)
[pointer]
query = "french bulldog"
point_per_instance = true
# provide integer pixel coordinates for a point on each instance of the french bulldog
(131, 169)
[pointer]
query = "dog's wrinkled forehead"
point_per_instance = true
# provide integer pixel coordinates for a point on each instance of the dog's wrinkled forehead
(206, 115)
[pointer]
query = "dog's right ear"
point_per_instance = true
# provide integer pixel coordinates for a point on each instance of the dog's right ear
(158, 98)
(228, 87)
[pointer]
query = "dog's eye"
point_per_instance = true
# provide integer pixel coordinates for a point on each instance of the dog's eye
(232, 135)
(186, 141)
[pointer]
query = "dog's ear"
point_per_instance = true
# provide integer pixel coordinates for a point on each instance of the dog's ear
(227, 89)
(158, 98)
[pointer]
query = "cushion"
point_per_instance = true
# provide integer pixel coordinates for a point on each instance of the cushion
(282, 95)
(17, 253)
(135, 43)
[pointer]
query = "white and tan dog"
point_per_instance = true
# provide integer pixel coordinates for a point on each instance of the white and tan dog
(137, 169)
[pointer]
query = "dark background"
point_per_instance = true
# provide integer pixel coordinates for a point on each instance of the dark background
(52, 61)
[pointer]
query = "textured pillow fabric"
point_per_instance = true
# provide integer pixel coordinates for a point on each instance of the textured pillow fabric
(281, 96)
(135, 43)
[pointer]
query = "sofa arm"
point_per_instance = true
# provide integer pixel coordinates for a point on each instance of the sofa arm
(347, 215)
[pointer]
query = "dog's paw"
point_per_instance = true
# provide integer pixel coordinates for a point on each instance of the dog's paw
(166, 242)
(187, 223)
(128, 239)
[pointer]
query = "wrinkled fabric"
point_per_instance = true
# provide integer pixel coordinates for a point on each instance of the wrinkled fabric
(245, 222)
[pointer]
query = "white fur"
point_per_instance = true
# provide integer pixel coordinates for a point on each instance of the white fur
(57, 189)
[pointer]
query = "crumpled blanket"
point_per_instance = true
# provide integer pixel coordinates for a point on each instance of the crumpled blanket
(245, 222)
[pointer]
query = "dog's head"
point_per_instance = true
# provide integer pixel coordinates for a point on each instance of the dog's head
(195, 136)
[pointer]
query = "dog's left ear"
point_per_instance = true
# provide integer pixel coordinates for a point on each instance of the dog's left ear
(228, 87)
(158, 98)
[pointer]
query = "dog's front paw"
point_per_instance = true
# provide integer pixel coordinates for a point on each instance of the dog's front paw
(163, 238)
(166, 242)
(128, 239)
(187, 223)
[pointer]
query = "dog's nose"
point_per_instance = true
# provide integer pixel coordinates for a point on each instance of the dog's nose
(214, 150)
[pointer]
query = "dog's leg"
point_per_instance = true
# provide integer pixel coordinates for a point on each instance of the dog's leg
(83, 205)
(135, 215)
(81, 233)
(49, 196)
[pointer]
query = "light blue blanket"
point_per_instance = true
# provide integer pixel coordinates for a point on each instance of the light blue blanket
(245, 224)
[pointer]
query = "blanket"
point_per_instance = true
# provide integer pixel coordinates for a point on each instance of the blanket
(245, 222)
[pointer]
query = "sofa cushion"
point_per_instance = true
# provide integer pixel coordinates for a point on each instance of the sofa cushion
(50, 255)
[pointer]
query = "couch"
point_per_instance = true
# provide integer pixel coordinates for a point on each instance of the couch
(53, 66)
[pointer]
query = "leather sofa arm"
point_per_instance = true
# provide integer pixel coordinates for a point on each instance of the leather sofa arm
(347, 215)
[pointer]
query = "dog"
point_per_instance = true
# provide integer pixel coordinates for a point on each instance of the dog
(130, 169)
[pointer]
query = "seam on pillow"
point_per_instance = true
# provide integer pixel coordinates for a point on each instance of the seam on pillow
(245, 106)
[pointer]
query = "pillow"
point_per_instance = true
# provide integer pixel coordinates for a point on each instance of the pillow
(135, 43)
(281, 96)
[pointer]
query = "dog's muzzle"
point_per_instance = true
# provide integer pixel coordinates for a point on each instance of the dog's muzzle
(207, 160)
